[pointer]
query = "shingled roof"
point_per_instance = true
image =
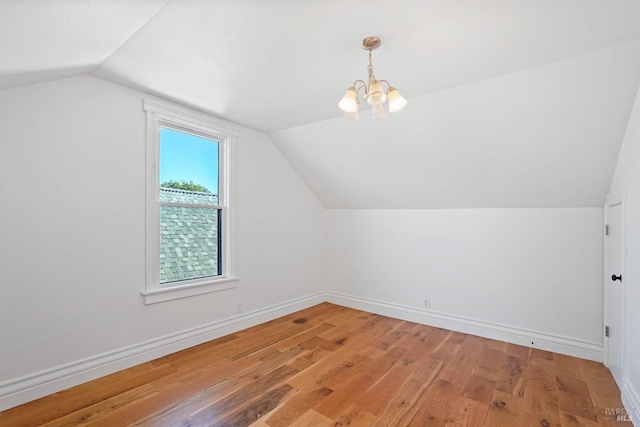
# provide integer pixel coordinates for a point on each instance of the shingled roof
(188, 236)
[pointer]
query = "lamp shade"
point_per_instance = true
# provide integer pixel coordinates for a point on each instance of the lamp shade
(396, 101)
(349, 102)
(377, 111)
(376, 95)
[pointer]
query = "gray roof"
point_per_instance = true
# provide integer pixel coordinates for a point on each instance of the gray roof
(184, 196)
(188, 236)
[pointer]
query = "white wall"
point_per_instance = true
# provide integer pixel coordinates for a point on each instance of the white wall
(72, 254)
(72, 245)
(627, 180)
(536, 271)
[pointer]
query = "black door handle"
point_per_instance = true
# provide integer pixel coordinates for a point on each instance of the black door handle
(614, 277)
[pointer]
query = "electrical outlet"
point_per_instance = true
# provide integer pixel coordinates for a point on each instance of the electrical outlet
(239, 307)
(427, 303)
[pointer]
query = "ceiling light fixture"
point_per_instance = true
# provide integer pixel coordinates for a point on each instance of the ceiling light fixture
(373, 92)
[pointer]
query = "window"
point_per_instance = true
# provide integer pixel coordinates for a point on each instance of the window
(189, 234)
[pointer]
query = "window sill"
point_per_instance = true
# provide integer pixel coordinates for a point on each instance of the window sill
(183, 291)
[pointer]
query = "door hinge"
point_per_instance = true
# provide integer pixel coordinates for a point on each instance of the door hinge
(606, 230)
(606, 331)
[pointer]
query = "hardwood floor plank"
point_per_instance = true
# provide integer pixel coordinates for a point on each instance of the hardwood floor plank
(97, 412)
(517, 351)
(448, 408)
(462, 365)
(511, 376)
(305, 339)
(415, 332)
(194, 352)
(479, 389)
(170, 410)
(297, 406)
(458, 338)
(403, 407)
(529, 420)
(47, 409)
(337, 357)
(576, 405)
(308, 358)
(403, 402)
(342, 373)
(312, 419)
(505, 410)
(318, 314)
(354, 417)
(446, 351)
(271, 362)
(573, 385)
(196, 388)
(265, 338)
(225, 406)
(43, 410)
(109, 389)
(378, 396)
(570, 420)
(489, 363)
(541, 369)
(566, 366)
(428, 344)
(343, 396)
(540, 401)
(602, 387)
(535, 353)
(334, 366)
(246, 415)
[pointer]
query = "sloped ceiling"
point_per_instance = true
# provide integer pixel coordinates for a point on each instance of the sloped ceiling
(511, 103)
(42, 40)
(545, 137)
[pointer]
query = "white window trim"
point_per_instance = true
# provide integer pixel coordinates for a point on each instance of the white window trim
(180, 118)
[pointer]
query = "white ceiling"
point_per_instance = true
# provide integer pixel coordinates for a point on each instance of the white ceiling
(511, 103)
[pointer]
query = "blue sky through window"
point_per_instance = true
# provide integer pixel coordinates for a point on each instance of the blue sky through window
(186, 157)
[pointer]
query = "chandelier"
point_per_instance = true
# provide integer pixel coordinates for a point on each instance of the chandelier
(374, 93)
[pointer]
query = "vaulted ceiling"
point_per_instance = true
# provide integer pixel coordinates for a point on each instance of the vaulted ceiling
(511, 103)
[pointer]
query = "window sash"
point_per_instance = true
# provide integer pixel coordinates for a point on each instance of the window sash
(173, 270)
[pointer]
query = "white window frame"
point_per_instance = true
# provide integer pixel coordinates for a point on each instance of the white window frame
(189, 121)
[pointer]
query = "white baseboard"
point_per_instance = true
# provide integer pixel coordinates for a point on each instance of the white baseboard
(17, 391)
(529, 338)
(631, 402)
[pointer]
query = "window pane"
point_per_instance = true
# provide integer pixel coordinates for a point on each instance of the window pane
(188, 162)
(189, 243)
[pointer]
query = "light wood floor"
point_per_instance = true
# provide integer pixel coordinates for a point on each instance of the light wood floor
(333, 366)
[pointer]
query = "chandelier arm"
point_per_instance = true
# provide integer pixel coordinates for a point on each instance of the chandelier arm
(387, 83)
(363, 85)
